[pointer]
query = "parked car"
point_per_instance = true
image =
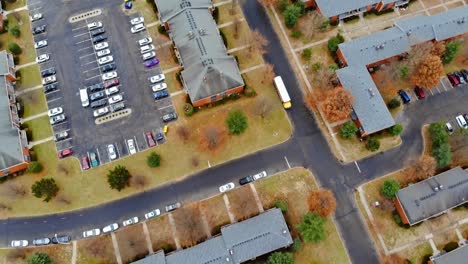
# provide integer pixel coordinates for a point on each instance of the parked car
(115, 99)
(110, 228)
(111, 151)
(159, 137)
(97, 96)
(147, 48)
(105, 60)
(49, 79)
(85, 163)
(419, 92)
(41, 241)
(464, 72)
(226, 187)
(111, 83)
(101, 111)
(130, 221)
(112, 90)
(148, 55)
(99, 38)
(99, 103)
(246, 180)
(172, 207)
(57, 119)
(137, 20)
(39, 30)
(152, 214)
(95, 87)
(103, 52)
(101, 46)
(462, 122)
(40, 44)
(453, 79)
(116, 107)
(137, 28)
(449, 128)
(36, 17)
(466, 117)
(150, 63)
(159, 87)
(63, 239)
(404, 96)
(131, 146)
(65, 153)
(95, 25)
(170, 116)
(97, 32)
(460, 77)
(157, 78)
(91, 233)
(145, 41)
(42, 58)
(55, 111)
(108, 67)
(60, 135)
(50, 87)
(160, 94)
(109, 75)
(19, 243)
(48, 72)
(150, 139)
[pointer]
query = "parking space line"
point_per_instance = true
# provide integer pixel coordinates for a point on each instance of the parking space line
(437, 89)
(83, 41)
(88, 63)
(81, 34)
(78, 28)
(65, 148)
(431, 92)
(92, 77)
(136, 143)
(164, 107)
(61, 123)
(98, 155)
(85, 48)
(63, 140)
(87, 55)
(55, 99)
(92, 69)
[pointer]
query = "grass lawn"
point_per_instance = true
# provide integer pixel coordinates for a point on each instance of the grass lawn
(30, 77)
(97, 250)
(189, 225)
(243, 35)
(215, 212)
(161, 234)
(58, 254)
(33, 102)
(132, 243)
(16, 4)
(172, 83)
(165, 53)
(242, 203)
(247, 60)
(225, 13)
(40, 129)
(145, 9)
(416, 254)
(460, 61)
(25, 41)
(294, 186)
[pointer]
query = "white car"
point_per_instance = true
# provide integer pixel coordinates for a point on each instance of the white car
(159, 87)
(131, 147)
(19, 243)
(109, 75)
(112, 90)
(137, 20)
(110, 228)
(137, 28)
(130, 221)
(40, 44)
(145, 41)
(101, 111)
(461, 122)
(103, 52)
(105, 60)
(49, 79)
(42, 58)
(55, 111)
(147, 48)
(91, 233)
(112, 153)
(157, 78)
(36, 17)
(226, 187)
(94, 25)
(101, 46)
(115, 99)
(260, 175)
(152, 214)
(148, 55)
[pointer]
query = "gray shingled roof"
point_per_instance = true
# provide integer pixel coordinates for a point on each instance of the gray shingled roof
(457, 256)
(435, 195)
(3, 62)
(237, 243)
(169, 8)
(451, 23)
(331, 8)
(368, 105)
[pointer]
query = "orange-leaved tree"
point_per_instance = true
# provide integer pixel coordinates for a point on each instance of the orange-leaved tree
(428, 73)
(338, 104)
(322, 202)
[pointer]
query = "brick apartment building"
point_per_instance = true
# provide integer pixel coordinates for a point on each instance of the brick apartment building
(209, 73)
(14, 153)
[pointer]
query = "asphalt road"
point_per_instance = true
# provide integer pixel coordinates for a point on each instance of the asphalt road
(307, 148)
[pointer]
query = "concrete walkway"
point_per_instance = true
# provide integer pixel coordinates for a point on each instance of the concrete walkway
(252, 68)
(228, 208)
(148, 238)
(29, 118)
(18, 93)
(25, 65)
(206, 226)
(74, 252)
(174, 231)
(257, 199)
(6, 13)
(173, 69)
(118, 257)
(223, 3)
(227, 24)
(152, 24)
(177, 93)
(238, 48)
(38, 142)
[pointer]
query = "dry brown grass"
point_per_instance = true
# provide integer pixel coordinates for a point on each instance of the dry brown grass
(189, 225)
(161, 234)
(96, 250)
(215, 212)
(58, 254)
(132, 243)
(242, 202)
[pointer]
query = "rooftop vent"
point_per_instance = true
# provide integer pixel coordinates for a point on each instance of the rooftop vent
(202, 31)
(408, 33)
(371, 92)
(231, 252)
(190, 34)
(436, 189)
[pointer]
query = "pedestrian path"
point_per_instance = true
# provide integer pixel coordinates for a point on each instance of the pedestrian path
(29, 118)
(25, 7)
(25, 65)
(38, 142)
(229, 23)
(172, 69)
(252, 68)
(27, 90)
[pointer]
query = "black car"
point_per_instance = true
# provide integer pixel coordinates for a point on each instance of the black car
(95, 87)
(61, 239)
(460, 77)
(39, 29)
(50, 87)
(246, 180)
(97, 32)
(117, 106)
(99, 103)
(159, 137)
(96, 96)
(99, 38)
(465, 74)
(108, 67)
(48, 72)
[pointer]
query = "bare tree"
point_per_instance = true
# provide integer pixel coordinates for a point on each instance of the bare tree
(183, 132)
(323, 78)
(139, 181)
(311, 23)
(96, 248)
(263, 106)
(133, 245)
(268, 73)
(4, 207)
(212, 137)
(195, 161)
(267, 3)
(16, 254)
(13, 190)
(417, 54)
(189, 224)
(243, 203)
(420, 170)
(62, 199)
(256, 43)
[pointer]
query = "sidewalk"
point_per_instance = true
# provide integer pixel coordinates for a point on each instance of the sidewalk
(18, 93)
(25, 65)
(6, 13)
(29, 118)
(38, 142)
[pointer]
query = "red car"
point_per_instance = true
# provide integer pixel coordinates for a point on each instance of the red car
(111, 83)
(85, 163)
(64, 153)
(150, 138)
(419, 92)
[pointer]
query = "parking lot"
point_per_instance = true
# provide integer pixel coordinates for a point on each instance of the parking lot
(72, 54)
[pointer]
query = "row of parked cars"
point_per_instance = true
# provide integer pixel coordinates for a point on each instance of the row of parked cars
(62, 239)
(248, 179)
(458, 77)
(462, 121)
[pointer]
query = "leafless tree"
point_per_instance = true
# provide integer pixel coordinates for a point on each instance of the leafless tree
(212, 137)
(256, 43)
(183, 132)
(16, 254)
(311, 23)
(323, 78)
(96, 248)
(243, 203)
(13, 190)
(189, 224)
(139, 181)
(62, 199)
(134, 244)
(263, 106)
(195, 161)
(268, 73)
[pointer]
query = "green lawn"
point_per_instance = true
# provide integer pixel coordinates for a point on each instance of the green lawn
(33, 102)
(145, 9)
(40, 128)
(58, 253)
(30, 77)
(16, 4)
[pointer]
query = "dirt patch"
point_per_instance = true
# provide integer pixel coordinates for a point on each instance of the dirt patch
(58, 254)
(96, 250)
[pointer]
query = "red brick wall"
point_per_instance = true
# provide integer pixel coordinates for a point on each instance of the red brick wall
(10, 78)
(16, 168)
(208, 100)
(341, 57)
(400, 210)
(310, 3)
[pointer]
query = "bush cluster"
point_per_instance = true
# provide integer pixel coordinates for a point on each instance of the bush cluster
(440, 144)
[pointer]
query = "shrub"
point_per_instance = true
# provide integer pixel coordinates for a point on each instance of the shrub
(312, 228)
(236, 122)
(188, 109)
(178, 77)
(373, 144)
(333, 43)
(307, 54)
(34, 167)
(153, 160)
(348, 130)
(404, 71)
(439, 135)
(316, 66)
(45, 187)
(39, 258)
(5, 25)
(118, 178)
(442, 155)
(281, 258)
(324, 25)
(15, 31)
(216, 14)
(291, 15)
(296, 34)
(450, 246)
(390, 188)
(297, 244)
(162, 30)
(16, 59)
(283, 205)
(334, 67)
(249, 91)
(394, 103)
(14, 48)
(451, 50)
(396, 130)
(397, 219)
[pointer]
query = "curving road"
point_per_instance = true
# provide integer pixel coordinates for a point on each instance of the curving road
(307, 148)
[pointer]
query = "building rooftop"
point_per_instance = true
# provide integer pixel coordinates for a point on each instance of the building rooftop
(435, 195)
(4, 62)
(331, 8)
(456, 256)
(169, 8)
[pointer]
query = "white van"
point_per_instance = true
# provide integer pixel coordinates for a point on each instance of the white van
(461, 122)
(84, 97)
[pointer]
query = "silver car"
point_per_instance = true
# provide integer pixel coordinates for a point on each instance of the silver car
(41, 241)
(91, 233)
